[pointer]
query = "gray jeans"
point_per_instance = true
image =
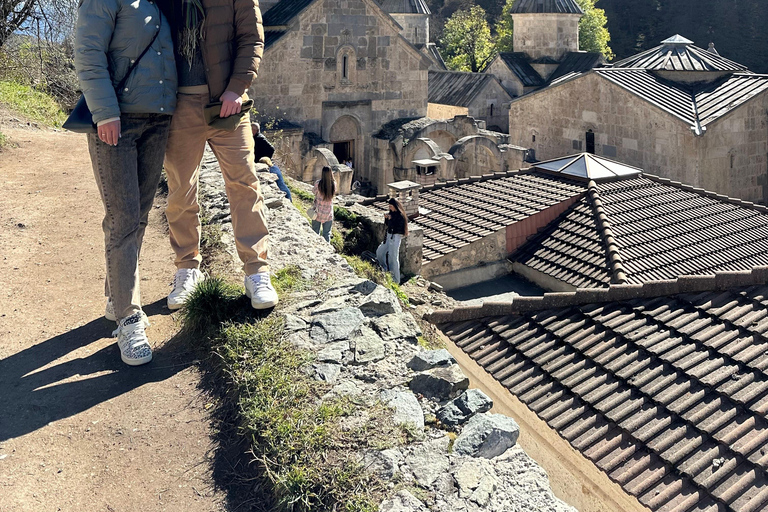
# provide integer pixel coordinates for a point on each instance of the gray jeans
(127, 176)
(388, 254)
(316, 225)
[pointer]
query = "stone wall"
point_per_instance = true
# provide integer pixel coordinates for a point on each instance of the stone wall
(363, 345)
(489, 106)
(734, 152)
(415, 27)
(635, 132)
(626, 127)
(489, 249)
(438, 111)
(546, 35)
(508, 79)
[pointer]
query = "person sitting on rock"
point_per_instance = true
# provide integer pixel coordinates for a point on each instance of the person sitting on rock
(324, 190)
(388, 253)
(276, 171)
(261, 146)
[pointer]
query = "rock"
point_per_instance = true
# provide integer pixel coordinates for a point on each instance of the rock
(275, 202)
(435, 287)
(331, 305)
(459, 410)
(327, 372)
(334, 326)
(487, 435)
(440, 383)
(384, 464)
(333, 352)
(484, 491)
(294, 323)
(379, 302)
(403, 501)
(397, 327)
(428, 461)
(431, 359)
(468, 477)
(369, 347)
(344, 388)
(406, 405)
(416, 300)
(366, 287)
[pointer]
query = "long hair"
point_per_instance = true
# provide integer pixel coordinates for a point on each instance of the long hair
(399, 207)
(327, 185)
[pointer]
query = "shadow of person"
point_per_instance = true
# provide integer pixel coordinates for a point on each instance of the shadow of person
(35, 392)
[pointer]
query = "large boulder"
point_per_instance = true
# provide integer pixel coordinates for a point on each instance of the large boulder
(440, 383)
(460, 409)
(487, 435)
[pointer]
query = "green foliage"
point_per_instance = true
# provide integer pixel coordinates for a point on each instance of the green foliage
(288, 279)
(355, 236)
(593, 33)
(467, 44)
(213, 302)
(3, 140)
(505, 29)
(337, 240)
(34, 105)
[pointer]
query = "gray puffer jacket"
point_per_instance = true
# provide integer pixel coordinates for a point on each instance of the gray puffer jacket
(111, 34)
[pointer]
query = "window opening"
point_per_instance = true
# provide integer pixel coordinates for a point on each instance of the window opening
(591, 142)
(344, 67)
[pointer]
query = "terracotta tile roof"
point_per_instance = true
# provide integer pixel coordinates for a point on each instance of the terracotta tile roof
(661, 230)
(668, 395)
(542, 6)
(459, 213)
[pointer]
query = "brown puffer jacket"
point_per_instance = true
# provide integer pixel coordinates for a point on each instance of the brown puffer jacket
(232, 51)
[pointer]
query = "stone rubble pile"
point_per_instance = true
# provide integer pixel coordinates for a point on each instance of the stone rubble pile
(366, 347)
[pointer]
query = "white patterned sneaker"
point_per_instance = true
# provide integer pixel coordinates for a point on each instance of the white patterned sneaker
(259, 289)
(109, 314)
(132, 340)
(184, 281)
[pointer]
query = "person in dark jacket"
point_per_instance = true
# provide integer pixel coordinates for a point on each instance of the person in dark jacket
(128, 147)
(388, 253)
(261, 146)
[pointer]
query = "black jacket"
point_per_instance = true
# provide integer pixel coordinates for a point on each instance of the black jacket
(262, 147)
(395, 223)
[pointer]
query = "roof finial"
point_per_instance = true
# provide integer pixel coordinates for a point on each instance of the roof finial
(712, 49)
(676, 40)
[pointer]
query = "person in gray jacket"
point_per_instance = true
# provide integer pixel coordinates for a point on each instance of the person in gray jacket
(128, 149)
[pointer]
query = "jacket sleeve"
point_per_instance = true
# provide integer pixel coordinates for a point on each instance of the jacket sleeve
(95, 25)
(249, 45)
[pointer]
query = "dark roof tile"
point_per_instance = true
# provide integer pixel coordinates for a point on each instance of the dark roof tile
(456, 88)
(546, 6)
(284, 11)
(518, 63)
(648, 389)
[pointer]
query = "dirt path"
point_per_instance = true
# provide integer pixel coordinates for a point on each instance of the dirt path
(79, 430)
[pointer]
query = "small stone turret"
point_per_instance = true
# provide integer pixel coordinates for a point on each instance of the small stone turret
(407, 192)
(546, 29)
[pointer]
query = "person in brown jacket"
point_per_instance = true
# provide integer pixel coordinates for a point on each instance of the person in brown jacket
(219, 44)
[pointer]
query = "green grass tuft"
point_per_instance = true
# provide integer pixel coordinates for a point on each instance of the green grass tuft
(289, 279)
(213, 302)
(34, 105)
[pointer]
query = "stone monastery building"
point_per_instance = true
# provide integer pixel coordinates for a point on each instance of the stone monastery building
(359, 81)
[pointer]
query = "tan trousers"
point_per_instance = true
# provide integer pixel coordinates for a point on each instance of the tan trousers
(234, 151)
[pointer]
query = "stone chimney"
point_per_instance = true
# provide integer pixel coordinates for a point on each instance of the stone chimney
(407, 192)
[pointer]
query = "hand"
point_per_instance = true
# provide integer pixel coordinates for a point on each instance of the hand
(231, 104)
(109, 133)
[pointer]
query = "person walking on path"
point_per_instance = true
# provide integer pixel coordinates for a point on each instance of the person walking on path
(261, 146)
(276, 171)
(388, 253)
(115, 39)
(219, 44)
(324, 190)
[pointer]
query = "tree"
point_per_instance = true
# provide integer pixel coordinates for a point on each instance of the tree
(504, 29)
(15, 14)
(467, 42)
(593, 34)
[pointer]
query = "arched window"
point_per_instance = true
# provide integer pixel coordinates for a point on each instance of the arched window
(345, 62)
(344, 69)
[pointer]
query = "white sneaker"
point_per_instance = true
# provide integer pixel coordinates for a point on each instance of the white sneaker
(132, 340)
(109, 314)
(259, 289)
(184, 281)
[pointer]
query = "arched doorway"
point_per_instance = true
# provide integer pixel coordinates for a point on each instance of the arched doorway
(346, 136)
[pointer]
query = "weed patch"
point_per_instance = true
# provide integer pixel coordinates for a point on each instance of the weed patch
(30, 103)
(287, 280)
